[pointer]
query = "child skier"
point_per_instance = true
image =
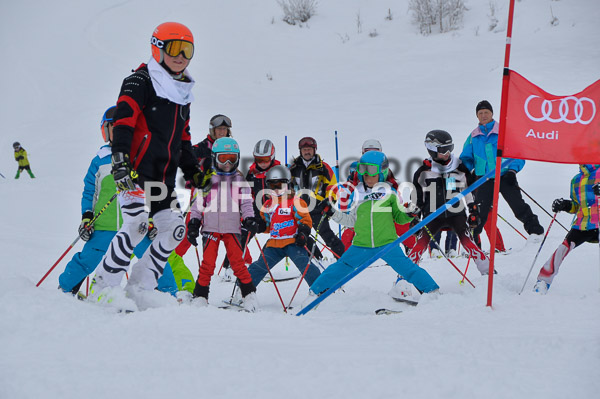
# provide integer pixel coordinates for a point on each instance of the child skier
(264, 160)
(226, 196)
(99, 187)
(439, 179)
(375, 207)
(21, 158)
(585, 191)
(288, 222)
(151, 140)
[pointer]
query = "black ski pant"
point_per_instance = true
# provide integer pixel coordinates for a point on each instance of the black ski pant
(325, 232)
(509, 188)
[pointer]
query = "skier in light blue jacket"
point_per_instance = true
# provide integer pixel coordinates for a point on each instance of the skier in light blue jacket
(99, 187)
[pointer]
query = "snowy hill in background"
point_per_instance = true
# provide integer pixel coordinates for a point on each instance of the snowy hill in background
(63, 65)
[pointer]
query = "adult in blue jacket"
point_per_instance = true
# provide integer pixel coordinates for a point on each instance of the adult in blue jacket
(479, 155)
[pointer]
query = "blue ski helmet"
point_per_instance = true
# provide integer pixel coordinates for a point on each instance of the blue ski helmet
(108, 117)
(222, 151)
(373, 158)
(352, 169)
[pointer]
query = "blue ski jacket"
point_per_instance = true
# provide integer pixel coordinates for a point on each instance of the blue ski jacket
(480, 148)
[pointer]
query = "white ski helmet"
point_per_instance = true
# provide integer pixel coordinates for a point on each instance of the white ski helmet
(264, 148)
(371, 145)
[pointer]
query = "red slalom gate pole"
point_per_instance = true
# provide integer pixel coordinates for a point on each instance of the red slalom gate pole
(270, 274)
(301, 278)
(57, 262)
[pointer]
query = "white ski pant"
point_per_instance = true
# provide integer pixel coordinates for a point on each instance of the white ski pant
(149, 268)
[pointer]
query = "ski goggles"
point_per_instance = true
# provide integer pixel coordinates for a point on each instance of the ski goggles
(276, 184)
(307, 142)
(225, 157)
(176, 47)
(370, 169)
(221, 120)
(263, 159)
(440, 149)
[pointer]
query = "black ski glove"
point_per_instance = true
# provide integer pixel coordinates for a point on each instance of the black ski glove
(596, 189)
(123, 173)
(85, 228)
(193, 231)
(302, 235)
(326, 208)
(473, 220)
(561, 204)
(251, 225)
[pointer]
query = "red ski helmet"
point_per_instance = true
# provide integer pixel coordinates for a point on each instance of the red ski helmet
(174, 38)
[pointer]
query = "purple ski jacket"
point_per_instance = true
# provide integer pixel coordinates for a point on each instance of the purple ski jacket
(222, 208)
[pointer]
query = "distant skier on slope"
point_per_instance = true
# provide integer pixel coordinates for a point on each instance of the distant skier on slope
(21, 158)
(585, 191)
(374, 209)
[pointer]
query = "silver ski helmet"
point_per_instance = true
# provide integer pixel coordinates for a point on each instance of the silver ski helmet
(264, 151)
(276, 178)
(217, 121)
(371, 145)
(438, 142)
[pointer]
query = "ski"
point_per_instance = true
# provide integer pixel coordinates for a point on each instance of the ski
(281, 280)
(406, 301)
(233, 305)
(387, 311)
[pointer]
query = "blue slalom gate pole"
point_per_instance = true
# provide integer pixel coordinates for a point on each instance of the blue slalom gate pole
(286, 159)
(337, 174)
(385, 249)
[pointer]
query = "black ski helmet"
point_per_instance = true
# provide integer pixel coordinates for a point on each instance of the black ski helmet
(438, 142)
(16, 145)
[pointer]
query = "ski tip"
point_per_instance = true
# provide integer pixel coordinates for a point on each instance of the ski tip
(387, 311)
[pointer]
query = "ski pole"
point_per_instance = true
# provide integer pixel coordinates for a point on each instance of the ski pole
(337, 175)
(237, 280)
(286, 156)
(538, 252)
(2, 176)
(270, 274)
(310, 258)
(448, 259)
(325, 247)
(514, 228)
(90, 224)
(542, 208)
(598, 205)
(467, 268)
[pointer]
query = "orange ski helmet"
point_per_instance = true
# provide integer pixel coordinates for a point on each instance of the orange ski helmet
(171, 31)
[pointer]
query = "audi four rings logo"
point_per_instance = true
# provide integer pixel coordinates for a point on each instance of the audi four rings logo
(565, 112)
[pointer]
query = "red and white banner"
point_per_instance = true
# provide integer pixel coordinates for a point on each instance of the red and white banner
(543, 127)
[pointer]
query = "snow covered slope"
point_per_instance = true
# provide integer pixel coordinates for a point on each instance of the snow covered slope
(62, 67)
